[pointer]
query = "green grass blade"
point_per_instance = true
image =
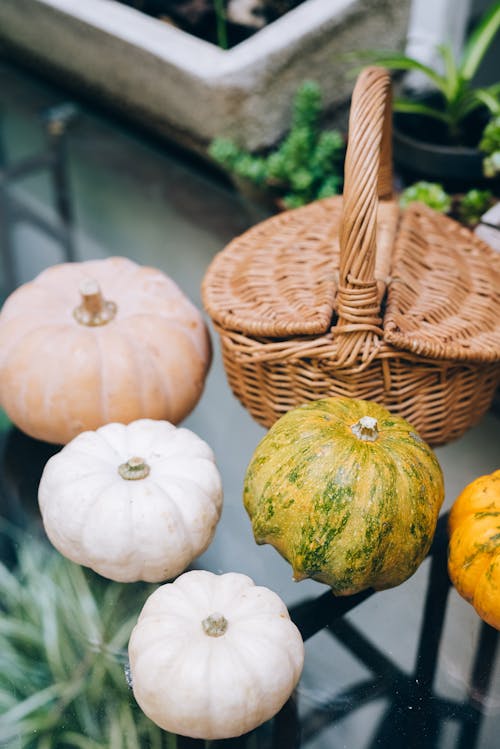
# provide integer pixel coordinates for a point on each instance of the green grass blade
(486, 97)
(451, 74)
(76, 740)
(10, 587)
(30, 704)
(128, 727)
(44, 743)
(397, 61)
(221, 24)
(402, 105)
(479, 41)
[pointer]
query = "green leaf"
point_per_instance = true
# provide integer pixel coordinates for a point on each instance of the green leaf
(473, 204)
(225, 152)
(30, 704)
(486, 97)
(329, 187)
(491, 165)
(414, 107)
(397, 61)
(50, 605)
(306, 106)
(490, 141)
(451, 76)
(78, 741)
(479, 42)
(294, 201)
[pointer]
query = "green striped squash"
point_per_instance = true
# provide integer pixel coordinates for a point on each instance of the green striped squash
(347, 492)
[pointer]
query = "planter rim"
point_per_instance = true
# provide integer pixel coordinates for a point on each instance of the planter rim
(185, 88)
(207, 61)
(436, 148)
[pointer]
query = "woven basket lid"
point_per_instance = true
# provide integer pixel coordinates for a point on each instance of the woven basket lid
(280, 279)
(444, 297)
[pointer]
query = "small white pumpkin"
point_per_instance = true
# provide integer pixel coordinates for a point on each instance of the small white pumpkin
(136, 502)
(214, 656)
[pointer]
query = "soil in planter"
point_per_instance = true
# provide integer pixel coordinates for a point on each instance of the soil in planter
(199, 17)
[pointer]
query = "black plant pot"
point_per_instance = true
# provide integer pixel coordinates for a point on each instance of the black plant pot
(457, 168)
(422, 151)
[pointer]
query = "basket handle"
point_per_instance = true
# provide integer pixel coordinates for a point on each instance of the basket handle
(368, 178)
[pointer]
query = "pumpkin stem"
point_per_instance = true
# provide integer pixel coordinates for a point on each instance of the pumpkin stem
(134, 469)
(94, 310)
(215, 625)
(366, 429)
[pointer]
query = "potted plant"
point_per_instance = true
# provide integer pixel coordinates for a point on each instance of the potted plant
(437, 134)
(63, 648)
(305, 166)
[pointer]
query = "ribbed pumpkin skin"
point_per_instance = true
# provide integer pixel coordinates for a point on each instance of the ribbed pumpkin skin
(211, 687)
(474, 549)
(59, 378)
(349, 513)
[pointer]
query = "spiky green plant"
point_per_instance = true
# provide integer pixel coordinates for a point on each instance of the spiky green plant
(458, 96)
(306, 165)
(63, 644)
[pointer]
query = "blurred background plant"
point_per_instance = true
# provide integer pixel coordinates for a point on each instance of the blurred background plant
(430, 193)
(490, 146)
(223, 22)
(307, 165)
(467, 208)
(63, 652)
(454, 97)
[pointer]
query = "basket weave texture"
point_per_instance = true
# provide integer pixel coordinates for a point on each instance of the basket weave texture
(348, 297)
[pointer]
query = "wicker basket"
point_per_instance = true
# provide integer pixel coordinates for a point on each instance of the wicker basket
(346, 297)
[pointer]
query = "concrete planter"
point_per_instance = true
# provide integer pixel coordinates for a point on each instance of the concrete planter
(191, 90)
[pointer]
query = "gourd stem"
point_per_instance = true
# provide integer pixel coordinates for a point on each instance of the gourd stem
(215, 625)
(366, 429)
(134, 469)
(94, 309)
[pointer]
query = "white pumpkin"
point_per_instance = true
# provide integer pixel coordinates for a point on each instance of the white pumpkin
(136, 502)
(214, 656)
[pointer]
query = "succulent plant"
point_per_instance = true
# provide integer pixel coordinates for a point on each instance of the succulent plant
(305, 166)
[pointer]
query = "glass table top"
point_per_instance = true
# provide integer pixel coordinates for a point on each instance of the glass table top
(412, 666)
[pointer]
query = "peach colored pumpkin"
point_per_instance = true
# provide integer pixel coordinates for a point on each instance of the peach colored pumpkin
(85, 344)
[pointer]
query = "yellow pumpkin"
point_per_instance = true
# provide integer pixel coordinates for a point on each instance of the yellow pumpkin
(474, 549)
(85, 344)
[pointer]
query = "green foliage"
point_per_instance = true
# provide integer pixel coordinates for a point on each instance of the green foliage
(490, 145)
(221, 23)
(472, 206)
(466, 208)
(430, 193)
(458, 97)
(307, 164)
(63, 640)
